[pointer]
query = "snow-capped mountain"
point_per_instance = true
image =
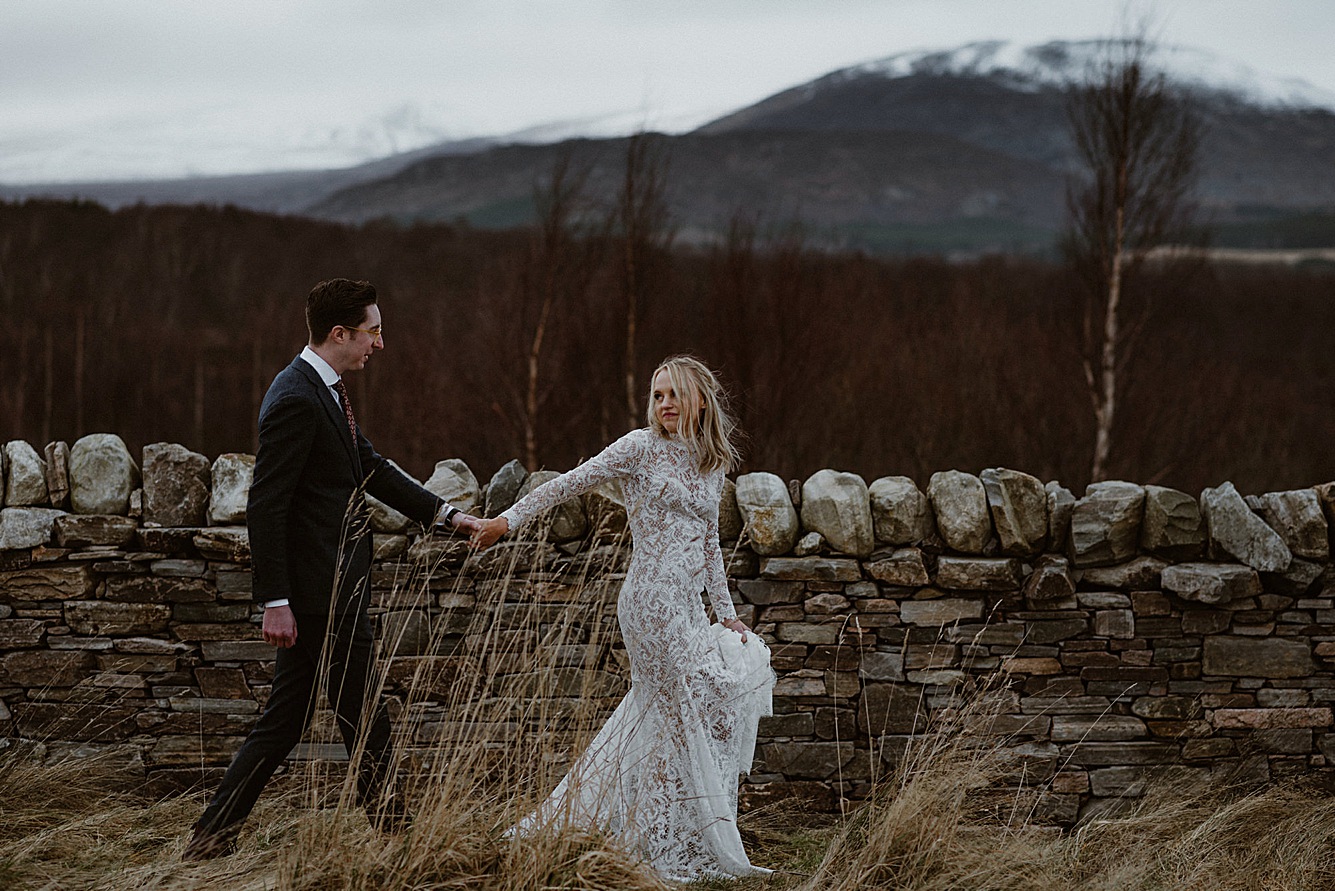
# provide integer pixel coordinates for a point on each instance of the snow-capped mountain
(968, 147)
(974, 140)
(224, 139)
(1059, 63)
(234, 140)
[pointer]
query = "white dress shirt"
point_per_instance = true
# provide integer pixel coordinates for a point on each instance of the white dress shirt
(324, 369)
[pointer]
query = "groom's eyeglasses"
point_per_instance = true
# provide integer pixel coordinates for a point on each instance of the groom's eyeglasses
(374, 332)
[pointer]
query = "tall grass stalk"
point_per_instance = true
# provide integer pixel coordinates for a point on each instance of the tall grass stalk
(942, 822)
(524, 663)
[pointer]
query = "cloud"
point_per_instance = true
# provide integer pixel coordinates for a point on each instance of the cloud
(253, 73)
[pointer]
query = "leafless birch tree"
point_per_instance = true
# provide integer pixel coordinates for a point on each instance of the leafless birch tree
(1138, 144)
(641, 216)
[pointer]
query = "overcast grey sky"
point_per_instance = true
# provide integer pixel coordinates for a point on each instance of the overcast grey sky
(144, 87)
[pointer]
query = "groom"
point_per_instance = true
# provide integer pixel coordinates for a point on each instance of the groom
(311, 557)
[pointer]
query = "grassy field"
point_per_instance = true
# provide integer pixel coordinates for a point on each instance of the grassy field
(939, 822)
(72, 824)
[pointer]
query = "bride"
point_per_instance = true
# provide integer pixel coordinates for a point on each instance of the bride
(661, 775)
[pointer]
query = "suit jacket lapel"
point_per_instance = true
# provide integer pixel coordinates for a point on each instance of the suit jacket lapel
(333, 410)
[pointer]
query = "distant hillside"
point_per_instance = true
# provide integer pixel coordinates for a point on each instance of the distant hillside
(850, 187)
(1253, 156)
(965, 150)
(957, 151)
(291, 191)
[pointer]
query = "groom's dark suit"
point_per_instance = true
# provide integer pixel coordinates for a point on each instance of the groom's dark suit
(310, 544)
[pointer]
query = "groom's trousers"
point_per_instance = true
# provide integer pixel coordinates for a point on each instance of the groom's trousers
(346, 647)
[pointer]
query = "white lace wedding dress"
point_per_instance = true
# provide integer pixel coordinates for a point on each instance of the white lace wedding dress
(661, 775)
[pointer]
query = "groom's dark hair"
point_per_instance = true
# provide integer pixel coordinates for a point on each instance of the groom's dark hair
(339, 301)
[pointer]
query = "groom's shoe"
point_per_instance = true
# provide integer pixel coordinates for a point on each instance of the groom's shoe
(206, 844)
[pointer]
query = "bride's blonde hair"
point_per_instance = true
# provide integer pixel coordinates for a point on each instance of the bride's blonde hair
(705, 423)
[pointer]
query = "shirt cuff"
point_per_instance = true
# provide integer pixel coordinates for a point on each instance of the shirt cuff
(269, 603)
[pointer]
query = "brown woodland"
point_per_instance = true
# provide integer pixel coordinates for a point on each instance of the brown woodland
(167, 323)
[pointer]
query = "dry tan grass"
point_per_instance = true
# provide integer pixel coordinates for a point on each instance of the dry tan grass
(60, 828)
(934, 826)
(63, 827)
(71, 823)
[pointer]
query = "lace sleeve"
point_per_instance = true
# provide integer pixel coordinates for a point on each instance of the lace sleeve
(618, 460)
(716, 578)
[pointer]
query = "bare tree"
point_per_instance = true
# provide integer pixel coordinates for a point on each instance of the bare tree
(547, 285)
(1138, 143)
(564, 266)
(641, 215)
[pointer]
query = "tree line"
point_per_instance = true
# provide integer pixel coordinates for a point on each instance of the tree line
(168, 323)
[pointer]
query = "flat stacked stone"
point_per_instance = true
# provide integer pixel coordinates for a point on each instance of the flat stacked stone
(43, 669)
(605, 506)
(960, 504)
(406, 633)
(1241, 534)
(1061, 504)
(824, 569)
(836, 506)
(102, 475)
(1019, 506)
(508, 557)
(58, 473)
(1141, 573)
(1051, 580)
(1213, 583)
(95, 617)
(25, 479)
(901, 513)
(730, 522)
(177, 485)
(904, 568)
(55, 583)
(1298, 519)
(1256, 657)
(1110, 671)
(454, 482)
(1105, 524)
(1173, 527)
(27, 527)
(85, 530)
(979, 573)
(227, 543)
(772, 525)
(503, 489)
(230, 476)
(945, 611)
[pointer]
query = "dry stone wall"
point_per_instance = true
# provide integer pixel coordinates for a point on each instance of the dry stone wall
(1129, 632)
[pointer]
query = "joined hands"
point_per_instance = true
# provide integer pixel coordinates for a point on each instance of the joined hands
(482, 533)
(487, 532)
(466, 523)
(459, 522)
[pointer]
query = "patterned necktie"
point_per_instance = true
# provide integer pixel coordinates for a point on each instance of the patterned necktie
(342, 390)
